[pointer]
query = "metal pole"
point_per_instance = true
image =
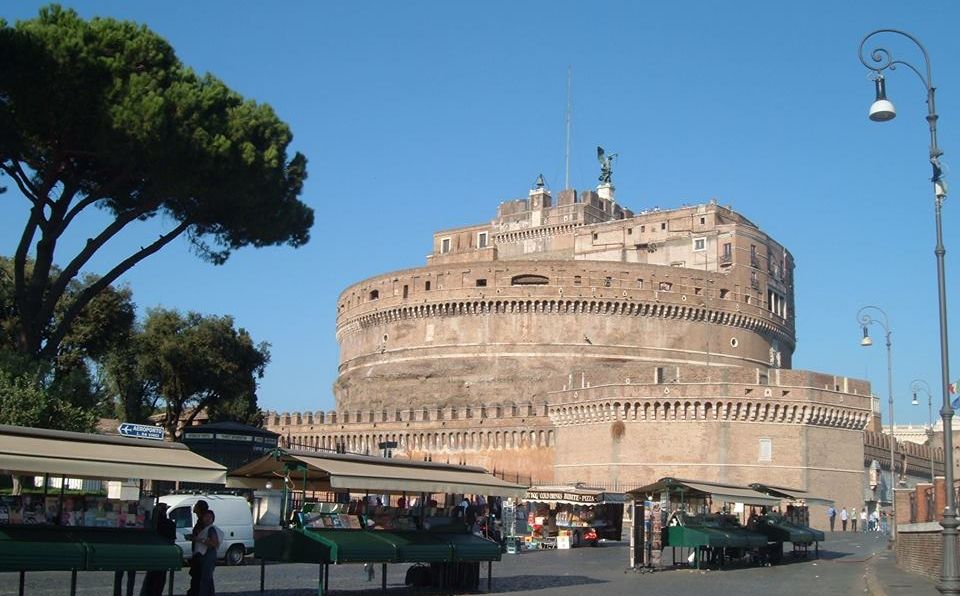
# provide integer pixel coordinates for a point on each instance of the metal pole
(893, 440)
(865, 320)
(949, 580)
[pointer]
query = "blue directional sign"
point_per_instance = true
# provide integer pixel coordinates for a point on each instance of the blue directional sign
(141, 431)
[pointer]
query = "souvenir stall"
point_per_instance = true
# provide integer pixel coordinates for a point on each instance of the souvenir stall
(791, 523)
(89, 530)
(702, 519)
(338, 533)
(565, 516)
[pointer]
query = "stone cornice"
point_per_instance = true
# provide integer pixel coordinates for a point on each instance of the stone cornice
(565, 306)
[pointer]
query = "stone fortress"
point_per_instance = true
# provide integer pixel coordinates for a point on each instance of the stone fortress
(571, 339)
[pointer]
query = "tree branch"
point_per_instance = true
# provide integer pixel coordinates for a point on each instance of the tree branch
(59, 287)
(22, 181)
(87, 294)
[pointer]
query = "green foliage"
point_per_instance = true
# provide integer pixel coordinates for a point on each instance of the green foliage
(27, 399)
(102, 114)
(192, 363)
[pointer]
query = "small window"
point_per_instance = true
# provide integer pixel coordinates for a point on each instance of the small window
(643, 229)
(660, 377)
(727, 249)
(699, 244)
(663, 225)
(595, 235)
(481, 283)
(607, 282)
(724, 292)
(529, 280)
(406, 290)
(697, 291)
(703, 221)
(482, 240)
(577, 280)
(666, 286)
(444, 246)
(734, 342)
(629, 231)
(374, 294)
(678, 263)
(640, 283)
(766, 450)
(426, 286)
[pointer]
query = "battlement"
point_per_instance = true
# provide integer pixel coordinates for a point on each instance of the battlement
(335, 419)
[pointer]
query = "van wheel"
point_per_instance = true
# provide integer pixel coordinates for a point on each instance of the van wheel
(235, 555)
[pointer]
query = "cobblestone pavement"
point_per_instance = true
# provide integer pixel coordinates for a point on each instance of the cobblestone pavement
(839, 571)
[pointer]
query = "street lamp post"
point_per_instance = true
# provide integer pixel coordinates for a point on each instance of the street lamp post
(866, 319)
(882, 109)
(921, 385)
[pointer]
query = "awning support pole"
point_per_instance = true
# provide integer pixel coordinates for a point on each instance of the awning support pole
(326, 576)
(263, 573)
(489, 575)
(383, 578)
(117, 582)
(23, 575)
(319, 569)
(170, 583)
(73, 582)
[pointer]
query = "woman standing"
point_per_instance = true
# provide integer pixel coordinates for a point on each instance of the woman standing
(208, 543)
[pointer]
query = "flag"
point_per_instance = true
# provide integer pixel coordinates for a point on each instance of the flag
(956, 403)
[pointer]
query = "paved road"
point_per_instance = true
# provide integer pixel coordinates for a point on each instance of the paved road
(839, 571)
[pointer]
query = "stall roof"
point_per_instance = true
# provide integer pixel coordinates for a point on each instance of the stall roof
(790, 493)
(338, 471)
(576, 494)
(725, 492)
(80, 455)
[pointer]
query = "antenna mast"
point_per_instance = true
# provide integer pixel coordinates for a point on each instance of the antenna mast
(566, 177)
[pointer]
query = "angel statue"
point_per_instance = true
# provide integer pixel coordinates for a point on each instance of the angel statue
(606, 165)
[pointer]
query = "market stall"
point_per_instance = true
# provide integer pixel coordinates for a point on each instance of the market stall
(792, 523)
(702, 518)
(565, 516)
(87, 531)
(326, 533)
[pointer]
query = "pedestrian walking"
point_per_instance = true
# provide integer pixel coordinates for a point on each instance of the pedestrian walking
(832, 516)
(853, 519)
(196, 558)
(844, 517)
(875, 520)
(210, 538)
(154, 581)
(863, 519)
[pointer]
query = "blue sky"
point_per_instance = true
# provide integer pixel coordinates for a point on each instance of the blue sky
(417, 116)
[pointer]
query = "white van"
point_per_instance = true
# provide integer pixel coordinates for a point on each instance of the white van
(233, 517)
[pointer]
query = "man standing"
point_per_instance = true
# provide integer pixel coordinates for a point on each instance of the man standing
(863, 519)
(853, 519)
(832, 516)
(844, 516)
(196, 560)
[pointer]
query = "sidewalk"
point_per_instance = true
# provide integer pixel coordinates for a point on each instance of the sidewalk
(884, 578)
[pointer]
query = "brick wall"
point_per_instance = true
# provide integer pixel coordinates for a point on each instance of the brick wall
(919, 549)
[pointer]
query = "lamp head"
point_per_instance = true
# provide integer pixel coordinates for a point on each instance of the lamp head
(866, 341)
(915, 402)
(882, 108)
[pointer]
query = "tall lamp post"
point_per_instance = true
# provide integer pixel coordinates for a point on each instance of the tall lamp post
(882, 110)
(866, 319)
(921, 385)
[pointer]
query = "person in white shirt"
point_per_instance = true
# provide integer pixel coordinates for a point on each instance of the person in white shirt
(208, 541)
(863, 519)
(844, 516)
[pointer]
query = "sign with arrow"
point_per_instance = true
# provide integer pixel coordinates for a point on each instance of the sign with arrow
(141, 431)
